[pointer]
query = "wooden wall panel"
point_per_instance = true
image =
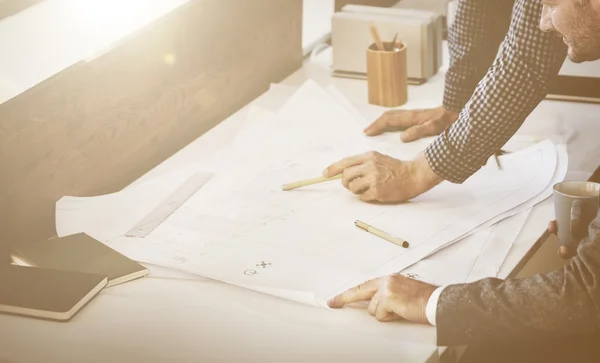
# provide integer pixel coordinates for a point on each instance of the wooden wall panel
(96, 127)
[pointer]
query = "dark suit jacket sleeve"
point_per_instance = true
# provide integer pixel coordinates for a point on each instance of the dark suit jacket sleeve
(545, 306)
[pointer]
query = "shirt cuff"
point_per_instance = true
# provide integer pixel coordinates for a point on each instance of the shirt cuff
(447, 162)
(431, 308)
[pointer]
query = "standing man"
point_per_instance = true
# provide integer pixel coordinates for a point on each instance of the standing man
(479, 115)
(548, 318)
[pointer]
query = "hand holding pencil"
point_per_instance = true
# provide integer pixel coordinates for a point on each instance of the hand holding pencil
(378, 178)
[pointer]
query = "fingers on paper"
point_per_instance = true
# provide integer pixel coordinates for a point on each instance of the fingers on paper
(383, 312)
(362, 292)
(352, 174)
(358, 178)
(380, 309)
(340, 166)
(378, 126)
(372, 308)
(395, 119)
(359, 186)
(419, 131)
(370, 195)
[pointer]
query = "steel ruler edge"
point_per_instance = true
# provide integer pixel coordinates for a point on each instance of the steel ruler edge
(168, 206)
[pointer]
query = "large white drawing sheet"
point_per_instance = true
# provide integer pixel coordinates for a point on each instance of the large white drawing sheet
(477, 256)
(302, 245)
(107, 216)
(306, 237)
(314, 247)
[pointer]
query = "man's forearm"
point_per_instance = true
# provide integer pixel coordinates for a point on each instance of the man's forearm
(564, 302)
(473, 40)
(515, 84)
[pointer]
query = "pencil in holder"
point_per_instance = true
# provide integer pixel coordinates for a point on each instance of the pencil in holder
(386, 75)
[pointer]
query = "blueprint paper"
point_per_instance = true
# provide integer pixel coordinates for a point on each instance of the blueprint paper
(311, 248)
(111, 215)
(241, 228)
(496, 246)
(477, 256)
(284, 241)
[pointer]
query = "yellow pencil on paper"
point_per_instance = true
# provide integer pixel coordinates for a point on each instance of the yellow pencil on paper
(379, 233)
(312, 181)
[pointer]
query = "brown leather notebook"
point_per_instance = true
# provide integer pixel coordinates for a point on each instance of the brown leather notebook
(80, 253)
(45, 293)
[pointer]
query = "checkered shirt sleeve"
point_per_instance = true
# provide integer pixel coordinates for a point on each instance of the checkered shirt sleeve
(473, 41)
(513, 86)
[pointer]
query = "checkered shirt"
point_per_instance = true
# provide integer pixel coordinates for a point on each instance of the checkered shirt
(495, 79)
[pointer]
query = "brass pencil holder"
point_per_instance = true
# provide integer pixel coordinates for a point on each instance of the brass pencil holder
(386, 75)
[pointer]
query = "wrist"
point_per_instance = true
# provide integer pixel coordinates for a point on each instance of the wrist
(452, 108)
(450, 114)
(424, 174)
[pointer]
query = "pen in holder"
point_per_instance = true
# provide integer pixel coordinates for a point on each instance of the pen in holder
(386, 74)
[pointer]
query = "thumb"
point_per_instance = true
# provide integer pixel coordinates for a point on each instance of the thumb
(565, 252)
(552, 227)
(377, 127)
(417, 132)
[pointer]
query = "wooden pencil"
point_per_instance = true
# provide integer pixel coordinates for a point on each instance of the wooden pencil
(394, 41)
(379, 233)
(376, 38)
(303, 183)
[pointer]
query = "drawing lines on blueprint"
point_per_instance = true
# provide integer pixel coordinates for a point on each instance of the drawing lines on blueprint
(416, 247)
(483, 245)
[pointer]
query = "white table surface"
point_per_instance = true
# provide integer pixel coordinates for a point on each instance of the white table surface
(178, 318)
(171, 317)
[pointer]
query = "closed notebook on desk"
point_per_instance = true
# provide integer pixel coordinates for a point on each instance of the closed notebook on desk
(80, 253)
(45, 293)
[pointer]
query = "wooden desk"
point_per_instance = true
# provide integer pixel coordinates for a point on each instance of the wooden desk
(103, 121)
(100, 124)
(179, 318)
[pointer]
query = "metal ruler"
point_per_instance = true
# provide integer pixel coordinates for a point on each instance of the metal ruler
(167, 207)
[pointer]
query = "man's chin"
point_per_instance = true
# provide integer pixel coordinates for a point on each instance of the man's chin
(576, 57)
(580, 57)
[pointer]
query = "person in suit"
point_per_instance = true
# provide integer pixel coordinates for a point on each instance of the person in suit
(556, 314)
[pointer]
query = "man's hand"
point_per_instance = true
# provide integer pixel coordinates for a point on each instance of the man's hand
(563, 251)
(380, 178)
(416, 124)
(392, 298)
